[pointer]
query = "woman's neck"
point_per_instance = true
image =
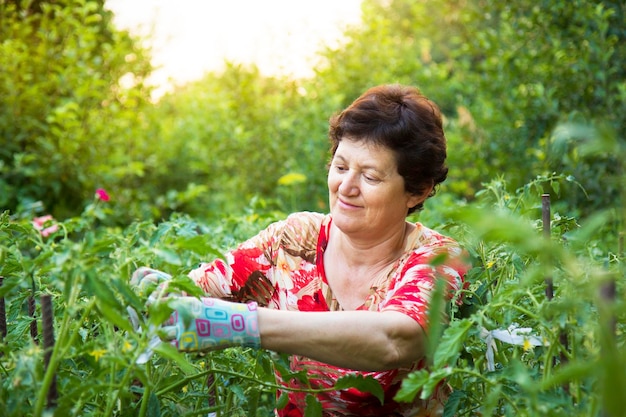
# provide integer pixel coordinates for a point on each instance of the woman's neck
(362, 252)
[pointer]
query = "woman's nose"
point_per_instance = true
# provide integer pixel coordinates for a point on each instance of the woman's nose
(349, 184)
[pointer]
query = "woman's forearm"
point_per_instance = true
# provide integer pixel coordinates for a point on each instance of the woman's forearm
(359, 340)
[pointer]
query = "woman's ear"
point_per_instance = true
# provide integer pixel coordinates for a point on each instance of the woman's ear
(415, 199)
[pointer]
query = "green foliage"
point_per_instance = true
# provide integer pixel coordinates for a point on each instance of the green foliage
(67, 120)
(581, 329)
(85, 267)
(534, 95)
(511, 79)
(506, 75)
(235, 133)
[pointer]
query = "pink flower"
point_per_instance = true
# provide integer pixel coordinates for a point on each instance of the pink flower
(49, 230)
(40, 223)
(101, 194)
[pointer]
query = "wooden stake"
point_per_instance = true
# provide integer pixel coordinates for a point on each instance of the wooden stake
(47, 324)
(545, 216)
(547, 234)
(607, 294)
(3, 316)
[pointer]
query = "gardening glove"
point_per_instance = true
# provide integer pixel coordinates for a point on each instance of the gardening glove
(143, 280)
(147, 279)
(201, 324)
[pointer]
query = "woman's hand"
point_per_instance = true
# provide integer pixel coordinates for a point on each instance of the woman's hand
(150, 280)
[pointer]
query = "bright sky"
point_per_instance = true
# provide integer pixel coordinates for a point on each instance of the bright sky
(191, 37)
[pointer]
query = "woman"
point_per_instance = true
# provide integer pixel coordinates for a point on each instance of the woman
(347, 292)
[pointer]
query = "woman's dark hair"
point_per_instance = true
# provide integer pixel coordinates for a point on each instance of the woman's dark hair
(402, 119)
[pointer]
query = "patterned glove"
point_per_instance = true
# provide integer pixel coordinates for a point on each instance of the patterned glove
(200, 324)
(146, 279)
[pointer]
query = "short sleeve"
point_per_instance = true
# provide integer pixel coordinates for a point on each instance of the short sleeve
(411, 291)
(256, 269)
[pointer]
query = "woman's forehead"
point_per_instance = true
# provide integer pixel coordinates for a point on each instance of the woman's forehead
(365, 153)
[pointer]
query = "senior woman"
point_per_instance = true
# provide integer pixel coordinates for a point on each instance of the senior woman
(345, 292)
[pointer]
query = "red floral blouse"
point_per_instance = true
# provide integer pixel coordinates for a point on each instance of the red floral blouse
(282, 267)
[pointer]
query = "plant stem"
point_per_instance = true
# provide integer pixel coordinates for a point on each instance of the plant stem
(263, 384)
(516, 307)
(59, 350)
(121, 386)
(146, 394)
(111, 398)
(545, 216)
(485, 380)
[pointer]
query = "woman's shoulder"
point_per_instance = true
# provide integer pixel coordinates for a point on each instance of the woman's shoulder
(305, 219)
(299, 233)
(425, 236)
(300, 226)
(431, 243)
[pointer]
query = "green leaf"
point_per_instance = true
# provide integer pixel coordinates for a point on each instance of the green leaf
(313, 407)
(158, 313)
(411, 385)
(8, 284)
(154, 408)
(572, 371)
(451, 342)
(282, 401)
(97, 288)
(516, 371)
(439, 259)
(168, 256)
(362, 383)
(113, 316)
(491, 400)
(170, 352)
(253, 403)
(434, 378)
(199, 245)
(186, 284)
(435, 318)
(163, 229)
(282, 365)
(452, 405)
(129, 296)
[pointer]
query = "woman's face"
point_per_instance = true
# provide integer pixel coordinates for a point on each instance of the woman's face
(366, 193)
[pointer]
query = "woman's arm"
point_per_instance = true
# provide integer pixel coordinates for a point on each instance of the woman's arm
(359, 340)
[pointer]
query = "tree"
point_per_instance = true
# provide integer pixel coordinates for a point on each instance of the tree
(73, 90)
(505, 74)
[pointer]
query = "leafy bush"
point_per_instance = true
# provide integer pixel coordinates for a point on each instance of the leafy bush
(534, 96)
(240, 135)
(68, 121)
(85, 270)
(516, 347)
(505, 74)
(94, 365)
(568, 351)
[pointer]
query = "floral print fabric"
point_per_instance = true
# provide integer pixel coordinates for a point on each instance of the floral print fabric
(282, 267)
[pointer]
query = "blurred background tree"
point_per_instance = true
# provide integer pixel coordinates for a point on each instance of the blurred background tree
(505, 74)
(508, 76)
(72, 108)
